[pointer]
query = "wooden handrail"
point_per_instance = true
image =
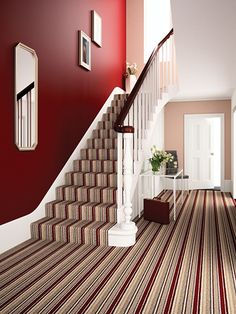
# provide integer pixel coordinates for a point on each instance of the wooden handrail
(25, 91)
(118, 126)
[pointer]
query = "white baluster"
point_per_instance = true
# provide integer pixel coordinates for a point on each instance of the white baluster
(168, 62)
(140, 124)
(171, 60)
(128, 174)
(165, 68)
(174, 64)
(120, 215)
(136, 129)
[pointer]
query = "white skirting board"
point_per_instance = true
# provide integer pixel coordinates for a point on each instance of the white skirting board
(227, 185)
(18, 230)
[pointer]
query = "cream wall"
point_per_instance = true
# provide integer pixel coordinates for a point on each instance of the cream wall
(135, 33)
(174, 125)
(147, 23)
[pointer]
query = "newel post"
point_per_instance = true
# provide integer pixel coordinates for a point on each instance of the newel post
(128, 176)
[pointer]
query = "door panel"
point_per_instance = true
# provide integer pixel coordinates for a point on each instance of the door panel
(200, 146)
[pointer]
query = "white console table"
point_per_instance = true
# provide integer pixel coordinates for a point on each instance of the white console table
(169, 173)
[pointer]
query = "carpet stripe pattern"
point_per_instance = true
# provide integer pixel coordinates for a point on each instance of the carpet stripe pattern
(188, 266)
(85, 206)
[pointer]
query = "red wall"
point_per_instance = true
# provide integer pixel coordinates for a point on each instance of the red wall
(69, 96)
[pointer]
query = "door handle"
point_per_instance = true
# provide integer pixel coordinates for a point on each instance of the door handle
(212, 154)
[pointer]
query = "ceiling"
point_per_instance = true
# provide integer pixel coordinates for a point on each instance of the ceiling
(205, 38)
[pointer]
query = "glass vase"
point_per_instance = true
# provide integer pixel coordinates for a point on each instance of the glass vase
(155, 167)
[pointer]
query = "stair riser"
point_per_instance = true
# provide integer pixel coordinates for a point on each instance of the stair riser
(82, 211)
(91, 179)
(114, 109)
(105, 213)
(69, 232)
(71, 193)
(102, 133)
(102, 143)
(121, 97)
(98, 154)
(112, 117)
(105, 125)
(95, 166)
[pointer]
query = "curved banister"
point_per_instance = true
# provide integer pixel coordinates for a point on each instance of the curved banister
(118, 126)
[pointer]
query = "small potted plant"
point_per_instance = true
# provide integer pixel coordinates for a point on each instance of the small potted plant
(159, 159)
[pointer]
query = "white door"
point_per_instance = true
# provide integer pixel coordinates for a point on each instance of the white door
(203, 150)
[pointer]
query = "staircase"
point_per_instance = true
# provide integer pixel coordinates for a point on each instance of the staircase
(85, 206)
(95, 205)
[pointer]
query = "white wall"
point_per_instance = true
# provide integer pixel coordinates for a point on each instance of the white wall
(157, 23)
(205, 32)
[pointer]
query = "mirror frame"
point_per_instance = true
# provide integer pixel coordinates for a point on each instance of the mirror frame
(35, 118)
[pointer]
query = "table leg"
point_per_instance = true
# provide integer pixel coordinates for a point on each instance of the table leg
(154, 186)
(174, 194)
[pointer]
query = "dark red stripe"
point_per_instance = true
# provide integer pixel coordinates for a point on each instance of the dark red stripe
(98, 242)
(82, 231)
(197, 292)
(223, 300)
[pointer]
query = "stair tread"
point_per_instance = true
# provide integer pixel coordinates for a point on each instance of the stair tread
(87, 187)
(94, 165)
(100, 160)
(92, 173)
(95, 193)
(91, 210)
(64, 221)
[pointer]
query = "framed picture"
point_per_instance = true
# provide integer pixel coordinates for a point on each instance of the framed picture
(84, 50)
(96, 28)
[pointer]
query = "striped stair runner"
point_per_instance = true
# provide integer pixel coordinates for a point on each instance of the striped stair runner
(85, 206)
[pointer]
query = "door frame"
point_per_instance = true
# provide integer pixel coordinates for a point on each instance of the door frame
(233, 153)
(222, 149)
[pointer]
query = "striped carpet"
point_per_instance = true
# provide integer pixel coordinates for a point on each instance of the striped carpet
(188, 266)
